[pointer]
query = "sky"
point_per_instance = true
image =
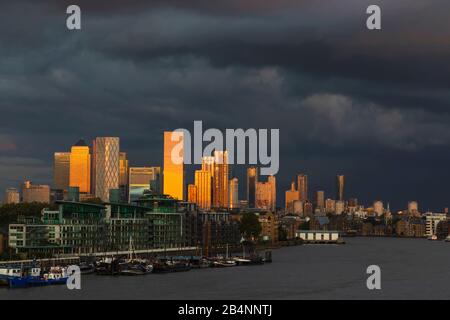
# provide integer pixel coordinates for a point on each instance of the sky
(372, 105)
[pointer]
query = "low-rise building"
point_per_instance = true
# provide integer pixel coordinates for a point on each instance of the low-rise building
(432, 220)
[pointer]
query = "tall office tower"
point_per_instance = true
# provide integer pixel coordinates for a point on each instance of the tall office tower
(266, 194)
(107, 171)
(123, 175)
(319, 200)
(291, 196)
(252, 180)
(139, 180)
(302, 186)
(61, 170)
(221, 180)
(234, 193)
(203, 183)
(12, 195)
(35, 192)
(340, 183)
(192, 193)
(80, 167)
(208, 165)
(174, 167)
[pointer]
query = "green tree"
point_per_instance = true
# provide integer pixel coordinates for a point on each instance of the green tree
(250, 227)
(10, 212)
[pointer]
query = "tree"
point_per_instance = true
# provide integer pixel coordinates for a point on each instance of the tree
(10, 212)
(250, 227)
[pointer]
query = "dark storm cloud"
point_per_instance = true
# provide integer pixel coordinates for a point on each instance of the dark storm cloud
(369, 104)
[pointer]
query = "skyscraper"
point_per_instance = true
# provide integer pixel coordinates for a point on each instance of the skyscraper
(252, 180)
(221, 180)
(80, 167)
(123, 175)
(319, 200)
(234, 193)
(291, 196)
(61, 170)
(266, 194)
(173, 164)
(302, 186)
(340, 183)
(192, 193)
(203, 183)
(106, 162)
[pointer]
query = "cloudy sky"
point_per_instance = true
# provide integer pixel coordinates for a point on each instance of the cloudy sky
(373, 105)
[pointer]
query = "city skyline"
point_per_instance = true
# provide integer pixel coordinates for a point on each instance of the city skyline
(216, 163)
(370, 105)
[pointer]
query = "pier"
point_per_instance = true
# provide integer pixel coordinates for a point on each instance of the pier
(68, 259)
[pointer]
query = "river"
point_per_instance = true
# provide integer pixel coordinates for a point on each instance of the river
(410, 269)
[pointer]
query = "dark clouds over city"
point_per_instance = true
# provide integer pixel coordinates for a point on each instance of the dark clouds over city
(373, 105)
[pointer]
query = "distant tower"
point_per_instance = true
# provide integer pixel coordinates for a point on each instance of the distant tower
(80, 167)
(220, 180)
(61, 170)
(173, 168)
(203, 182)
(319, 200)
(252, 180)
(340, 183)
(234, 193)
(302, 186)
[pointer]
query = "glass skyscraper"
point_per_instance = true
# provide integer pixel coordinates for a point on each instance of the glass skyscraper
(61, 170)
(106, 166)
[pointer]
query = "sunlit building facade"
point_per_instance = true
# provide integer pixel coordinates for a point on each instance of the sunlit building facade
(266, 194)
(35, 193)
(302, 186)
(107, 165)
(173, 164)
(203, 184)
(192, 193)
(61, 170)
(291, 196)
(319, 200)
(340, 184)
(12, 195)
(221, 180)
(123, 175)
(234, 193)
(80, 167)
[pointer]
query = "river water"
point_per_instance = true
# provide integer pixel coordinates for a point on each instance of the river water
(410, 269)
